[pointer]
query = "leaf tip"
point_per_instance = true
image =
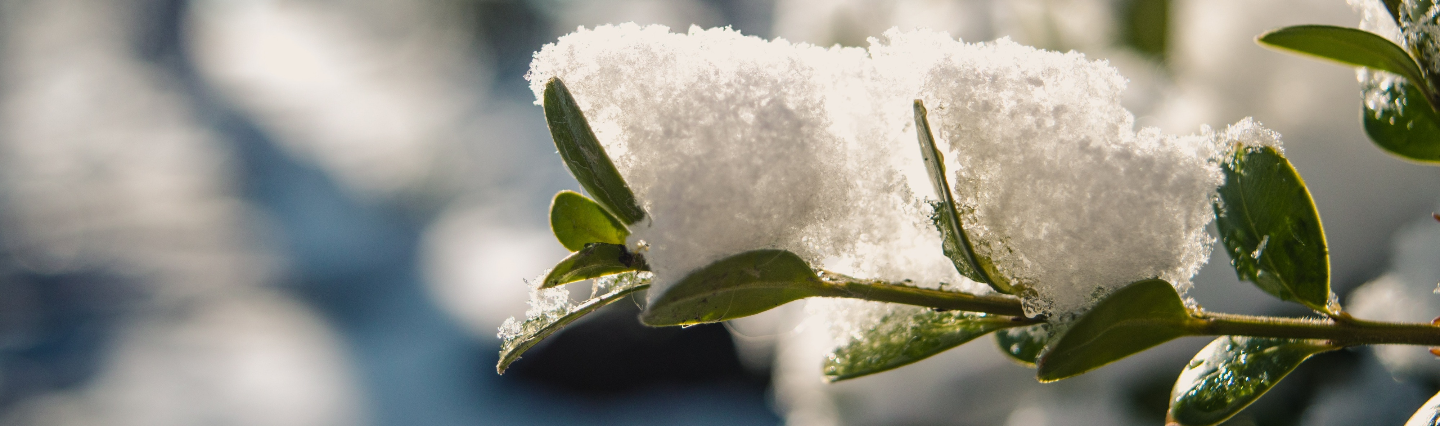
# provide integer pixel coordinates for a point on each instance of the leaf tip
(551, 279)
(1261, 39)
(507, 357)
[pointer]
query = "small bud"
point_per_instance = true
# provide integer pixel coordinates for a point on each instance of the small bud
(1436, 321)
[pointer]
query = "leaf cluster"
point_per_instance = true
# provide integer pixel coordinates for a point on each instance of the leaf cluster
(1400, 117)
(1266, 218)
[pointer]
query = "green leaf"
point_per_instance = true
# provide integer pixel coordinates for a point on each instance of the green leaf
(1023, 344)
(1348, 46)
(595, 260)
(1400, 121)
(519, 336)
(741, 285)
(907, 335)
(577, 221)
(1428, 414)
(584, 155)
(956, 244)
(1269, 225)
(1232, 372)
(1135, 318)
(1393, 6)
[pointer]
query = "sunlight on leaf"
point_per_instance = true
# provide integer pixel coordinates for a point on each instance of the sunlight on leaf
(1271, 229)
(956, 244)
(595, 260)
(1398, 119)
(1133, 319)
(551, 310)
(1232, 372)
(907, 335)
(741, 285)
(576, 221)
(1348, 46)
(584, 156)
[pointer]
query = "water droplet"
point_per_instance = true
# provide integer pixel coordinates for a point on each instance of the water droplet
(1260, 250)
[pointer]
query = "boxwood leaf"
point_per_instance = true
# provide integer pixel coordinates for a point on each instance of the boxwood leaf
(1400, 121)
(956, 244)
(1428, 414)
(1393, 6)
(584, 156)
(519, 336)
(1023, 344)
(1232, 372)
(907, 335)
(595, 260)
(1134, 318)
(1348, 46)
(577, 221)
(740, 285)
(1269, 225)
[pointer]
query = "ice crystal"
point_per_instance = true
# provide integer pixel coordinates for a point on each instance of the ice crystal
(1417, 30)
(551, 308)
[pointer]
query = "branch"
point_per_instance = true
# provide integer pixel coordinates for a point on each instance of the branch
(1351, 332)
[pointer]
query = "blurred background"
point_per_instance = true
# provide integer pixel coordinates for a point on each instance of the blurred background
(317, 212)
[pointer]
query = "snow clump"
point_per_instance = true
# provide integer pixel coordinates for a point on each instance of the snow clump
(1417, 30)
(1061, 191)
(735, 143)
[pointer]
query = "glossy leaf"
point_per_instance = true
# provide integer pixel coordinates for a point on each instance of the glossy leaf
(1399, 120)
(577, 221)
(539, 325)
(741, 285)
(1428, 414)
(584, 156)
(908, 335)
(1135, 318)
(1023, 344)
(595, 260)
(1232, 372)
(955, 243)
(1269, 225)
(1348, 46)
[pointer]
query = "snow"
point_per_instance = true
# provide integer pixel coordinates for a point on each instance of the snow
(1062, 192)
(1417, 34)
(734, 143)
(549, 306)
(1418, 30)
